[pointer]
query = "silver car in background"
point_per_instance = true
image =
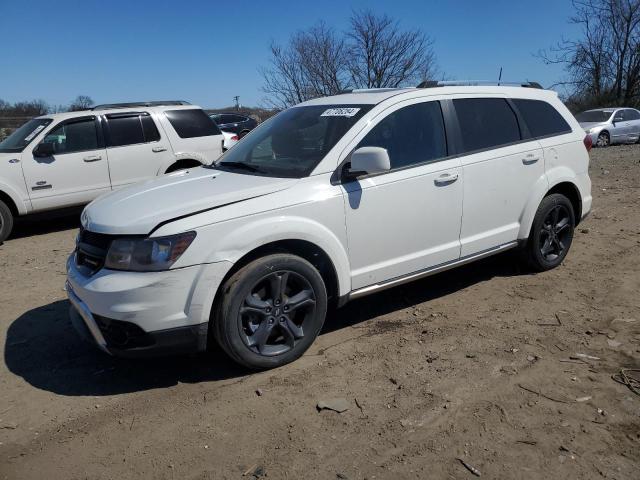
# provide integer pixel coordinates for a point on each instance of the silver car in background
(607, 126)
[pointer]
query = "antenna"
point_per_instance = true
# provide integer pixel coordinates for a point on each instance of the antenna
(500, 76)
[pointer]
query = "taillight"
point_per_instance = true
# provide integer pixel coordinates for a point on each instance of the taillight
(588, 143)
(235, 137)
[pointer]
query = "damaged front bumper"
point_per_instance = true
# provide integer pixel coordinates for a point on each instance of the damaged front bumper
(133, 314)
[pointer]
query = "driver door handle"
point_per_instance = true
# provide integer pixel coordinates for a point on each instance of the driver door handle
(446, 179)
(159, 149)
(92, 158)
(530, 159)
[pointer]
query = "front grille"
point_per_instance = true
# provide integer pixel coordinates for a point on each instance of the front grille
(99, 240)
(92, 249)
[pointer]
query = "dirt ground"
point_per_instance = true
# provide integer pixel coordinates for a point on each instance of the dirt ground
(479, 364)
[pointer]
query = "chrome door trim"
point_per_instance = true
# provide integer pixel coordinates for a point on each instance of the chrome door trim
(361, 292)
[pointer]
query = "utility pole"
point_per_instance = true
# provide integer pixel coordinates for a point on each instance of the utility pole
(237, 100)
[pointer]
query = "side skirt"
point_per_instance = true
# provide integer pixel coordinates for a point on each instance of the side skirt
(410, 277)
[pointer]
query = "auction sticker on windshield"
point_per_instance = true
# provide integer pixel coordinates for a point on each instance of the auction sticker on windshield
(340, 112)
(38, 129)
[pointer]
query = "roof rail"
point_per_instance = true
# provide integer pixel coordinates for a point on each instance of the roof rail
(479, 83)
(368, 90)
(109, 106)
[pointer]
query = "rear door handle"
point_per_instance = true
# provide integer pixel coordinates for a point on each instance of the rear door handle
(159, 149)
(530, 159)
(92, 158)
(446, 179)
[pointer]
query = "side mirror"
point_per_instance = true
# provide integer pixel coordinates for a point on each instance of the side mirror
(44, 150)
(368, 160)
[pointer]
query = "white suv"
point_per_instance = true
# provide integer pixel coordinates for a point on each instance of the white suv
(330, 200)
(69, 159)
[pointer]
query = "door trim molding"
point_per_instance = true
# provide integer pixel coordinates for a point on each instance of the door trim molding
(361, 292)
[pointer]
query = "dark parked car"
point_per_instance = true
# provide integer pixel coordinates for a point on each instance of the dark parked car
(234, 122)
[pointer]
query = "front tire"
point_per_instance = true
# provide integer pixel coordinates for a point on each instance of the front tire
(270, 311)
(551, 233)
(604, 140)
(6, 221)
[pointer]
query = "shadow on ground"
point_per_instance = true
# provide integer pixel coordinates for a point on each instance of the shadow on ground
(43, 348)
(48, 222)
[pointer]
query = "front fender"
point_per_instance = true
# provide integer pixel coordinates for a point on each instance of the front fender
(237, 242)
(22, 205)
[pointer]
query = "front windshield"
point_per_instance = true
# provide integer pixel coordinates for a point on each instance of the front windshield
(592, 116)
(293, 142)
(18, 140)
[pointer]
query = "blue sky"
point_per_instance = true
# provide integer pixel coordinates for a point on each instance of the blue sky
(208, 51)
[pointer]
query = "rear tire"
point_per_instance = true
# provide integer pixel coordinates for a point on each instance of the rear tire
(6, 221)
(551, 233)
(270, 311)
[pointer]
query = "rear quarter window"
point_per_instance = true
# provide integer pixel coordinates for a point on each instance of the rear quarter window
(192, 123)
(542, 119)
(486, 123)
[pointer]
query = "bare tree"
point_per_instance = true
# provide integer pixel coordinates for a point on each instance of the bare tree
(374, 52)
(81, 102)
(312, 64)
(381, 54)
(603, 65)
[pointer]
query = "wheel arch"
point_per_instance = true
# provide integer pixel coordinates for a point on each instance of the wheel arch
(12, 200)
(305, 249)
(182, 164)
(559, 180)
(194, 158)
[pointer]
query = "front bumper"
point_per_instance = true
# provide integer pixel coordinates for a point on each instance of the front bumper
(140, 313)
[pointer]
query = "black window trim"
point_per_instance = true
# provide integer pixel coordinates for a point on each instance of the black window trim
(104, 120)
(522, 128)
(339, 175)
(539, 137)
(84, 118)
(217, 126)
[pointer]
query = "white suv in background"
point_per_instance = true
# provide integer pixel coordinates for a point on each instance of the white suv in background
(330, 200)
(69, 159)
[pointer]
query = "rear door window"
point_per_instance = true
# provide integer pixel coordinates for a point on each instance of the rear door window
(131, 129)
(192, 123)
(486, 123)
(411, 135)
(542, 119)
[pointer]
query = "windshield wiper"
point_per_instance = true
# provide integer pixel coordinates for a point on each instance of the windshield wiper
(240, 165)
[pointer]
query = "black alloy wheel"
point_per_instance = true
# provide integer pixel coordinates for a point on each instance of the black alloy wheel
(275, 314)
(555, 233)
(270, 311)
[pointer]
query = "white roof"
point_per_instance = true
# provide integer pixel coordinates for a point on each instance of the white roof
(375, 96)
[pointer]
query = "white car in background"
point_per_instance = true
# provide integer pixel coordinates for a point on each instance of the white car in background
(330, 200)
(607, 126)
(68, 159)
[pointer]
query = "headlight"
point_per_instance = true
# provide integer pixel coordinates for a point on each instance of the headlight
(147, 254)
